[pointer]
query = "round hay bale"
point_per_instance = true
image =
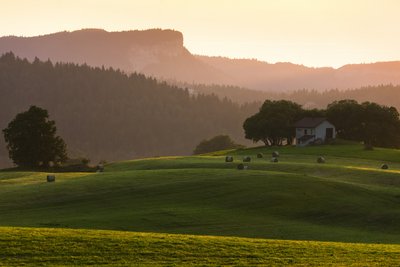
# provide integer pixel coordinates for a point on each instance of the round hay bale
(100, 168)
(260, 155)
(228, 159)
(274, 159)
(51, 178)
(384, 166)
(321, 159)
(240, 166)
(246, 159)
(275, 154)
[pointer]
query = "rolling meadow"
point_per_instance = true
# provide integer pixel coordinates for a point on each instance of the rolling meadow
(294, 211)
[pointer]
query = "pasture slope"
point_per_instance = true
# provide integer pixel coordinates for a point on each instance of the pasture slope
(347, 199)
(68, 247)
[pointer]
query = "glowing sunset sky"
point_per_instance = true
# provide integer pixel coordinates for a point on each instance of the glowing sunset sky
(309, 32)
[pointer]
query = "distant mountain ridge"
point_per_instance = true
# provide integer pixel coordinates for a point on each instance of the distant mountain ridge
(286, 76)
(155, 52)
(161, 53)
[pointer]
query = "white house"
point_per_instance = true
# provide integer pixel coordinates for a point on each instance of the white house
(314, 130)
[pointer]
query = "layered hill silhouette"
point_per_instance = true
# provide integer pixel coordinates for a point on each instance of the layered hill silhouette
(280, 77)
(161, 53)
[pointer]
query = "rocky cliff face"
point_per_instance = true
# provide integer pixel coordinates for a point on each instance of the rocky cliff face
(130, 51)
(154, 52)
(161, 53)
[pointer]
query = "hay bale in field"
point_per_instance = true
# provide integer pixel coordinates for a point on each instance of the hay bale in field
(260, 155)
(274, 159)
(100, 168)
(321, 159)
(384, 166)
(275, 154)
(228, 159)
(240, 166)
(246, 159)
(51, 178)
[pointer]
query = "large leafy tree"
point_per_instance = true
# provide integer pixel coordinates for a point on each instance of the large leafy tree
(32, 141)
(346, 116)
(274, 122)
(380, 125)
(374, 124)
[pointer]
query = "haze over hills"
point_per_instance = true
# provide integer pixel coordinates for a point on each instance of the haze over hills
(161, 53)
(281, 77)
(388, 95)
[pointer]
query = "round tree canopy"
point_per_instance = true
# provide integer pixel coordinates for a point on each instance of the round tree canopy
(32, 141)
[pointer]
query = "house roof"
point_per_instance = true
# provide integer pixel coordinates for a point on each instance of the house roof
(309, 122)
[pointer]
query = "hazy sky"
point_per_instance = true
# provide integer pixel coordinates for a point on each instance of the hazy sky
(309, 32)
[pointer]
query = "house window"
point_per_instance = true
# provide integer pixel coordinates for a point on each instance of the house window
(305, 131)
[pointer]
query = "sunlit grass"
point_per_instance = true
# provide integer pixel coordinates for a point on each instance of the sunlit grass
(66, 247)
(25, 178)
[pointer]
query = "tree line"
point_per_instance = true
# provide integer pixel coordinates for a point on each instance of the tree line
(367, 122)
(388, 94)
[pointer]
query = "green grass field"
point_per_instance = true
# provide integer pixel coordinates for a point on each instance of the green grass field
(347, 199)
(66, 247)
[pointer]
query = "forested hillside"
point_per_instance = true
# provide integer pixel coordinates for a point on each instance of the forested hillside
(388, 95)
(106, 114)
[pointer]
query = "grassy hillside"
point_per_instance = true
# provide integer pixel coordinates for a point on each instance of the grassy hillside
(349, 198)
(65, 247)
